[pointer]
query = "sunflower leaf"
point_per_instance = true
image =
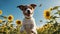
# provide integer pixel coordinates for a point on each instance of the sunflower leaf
(3, 21)
(59, 12)
(56, 7)
(3, 16)
(56, 13)
(55, 24)
(53, 17)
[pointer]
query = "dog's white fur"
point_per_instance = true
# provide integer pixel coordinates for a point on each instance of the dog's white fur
(29, 24)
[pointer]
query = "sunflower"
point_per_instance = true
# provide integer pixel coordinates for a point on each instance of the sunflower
(18, 22)
(0, 12)
(10, 18)
(47, 14)
(0, 21)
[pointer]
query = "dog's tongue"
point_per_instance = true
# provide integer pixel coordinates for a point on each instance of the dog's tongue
(28, 15)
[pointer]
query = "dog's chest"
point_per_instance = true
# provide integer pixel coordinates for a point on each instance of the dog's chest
(28, 21)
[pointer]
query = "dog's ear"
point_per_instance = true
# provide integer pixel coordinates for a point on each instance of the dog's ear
(22, 7)
(33, 5)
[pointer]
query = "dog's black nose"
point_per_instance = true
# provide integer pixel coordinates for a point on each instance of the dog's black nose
(28, 11)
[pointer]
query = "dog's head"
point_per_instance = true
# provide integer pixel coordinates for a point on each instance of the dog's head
(28, 10)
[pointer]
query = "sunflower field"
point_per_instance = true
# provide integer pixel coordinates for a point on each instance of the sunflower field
(51, 27)
(6, 27)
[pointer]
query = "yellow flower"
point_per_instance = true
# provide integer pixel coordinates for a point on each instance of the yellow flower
(0, 21)
(0, 12)
(10, 18)
(42, 29)
(3, 26)
(47, 14)
(18, 22)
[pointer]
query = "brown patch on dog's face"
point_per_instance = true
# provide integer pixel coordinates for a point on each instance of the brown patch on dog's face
(27, 10)
(22, 7)
(33, 5)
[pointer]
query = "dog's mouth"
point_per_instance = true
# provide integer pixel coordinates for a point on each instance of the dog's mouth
(28, 14)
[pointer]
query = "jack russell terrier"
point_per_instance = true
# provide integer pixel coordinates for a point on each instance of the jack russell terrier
(28, 23)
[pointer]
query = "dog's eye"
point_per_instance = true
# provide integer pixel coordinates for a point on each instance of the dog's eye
(25, 8)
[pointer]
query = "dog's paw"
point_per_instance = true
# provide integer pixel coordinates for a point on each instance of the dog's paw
(33, 32)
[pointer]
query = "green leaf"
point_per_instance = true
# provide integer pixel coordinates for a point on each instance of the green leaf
(55, 24)
(56, 7)
(53, 17)
(56, 13)
(3, 16)
(59, 12)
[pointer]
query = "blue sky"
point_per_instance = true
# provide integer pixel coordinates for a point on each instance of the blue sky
(10, 7)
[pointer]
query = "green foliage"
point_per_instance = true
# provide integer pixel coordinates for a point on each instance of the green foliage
(52, 26)
(49, 29)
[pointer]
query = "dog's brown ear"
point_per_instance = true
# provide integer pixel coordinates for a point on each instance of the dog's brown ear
(22, 7)
(33, 5)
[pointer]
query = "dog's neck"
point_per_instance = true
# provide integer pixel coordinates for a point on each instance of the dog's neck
(27, 18)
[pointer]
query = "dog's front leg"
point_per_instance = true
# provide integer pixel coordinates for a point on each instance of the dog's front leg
(22, 29)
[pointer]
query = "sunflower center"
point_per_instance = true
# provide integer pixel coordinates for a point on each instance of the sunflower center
(9, 18)
(18, 22)
(47, 14)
